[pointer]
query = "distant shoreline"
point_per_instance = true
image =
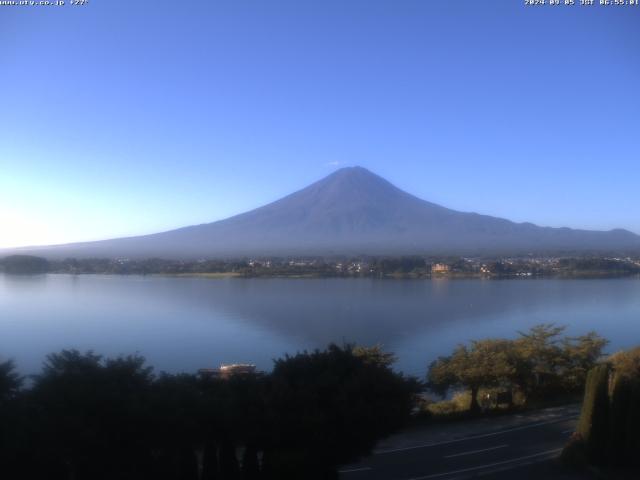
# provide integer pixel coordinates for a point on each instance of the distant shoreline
(408, 267)
(577, 276)
(193, 275)
(457, 276)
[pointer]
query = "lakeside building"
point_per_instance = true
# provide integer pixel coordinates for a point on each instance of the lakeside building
(440, 268)
(227, 371)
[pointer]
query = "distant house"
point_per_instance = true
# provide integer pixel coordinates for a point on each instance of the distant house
(440, 268)
(227, 371)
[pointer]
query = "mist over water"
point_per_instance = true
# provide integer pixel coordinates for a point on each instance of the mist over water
(182, 324)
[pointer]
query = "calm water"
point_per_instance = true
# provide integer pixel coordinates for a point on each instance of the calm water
(182, 324)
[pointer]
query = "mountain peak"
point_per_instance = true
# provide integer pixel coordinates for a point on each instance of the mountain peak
(353, 170)
(352, 211)
(352, 173)
(355, 179)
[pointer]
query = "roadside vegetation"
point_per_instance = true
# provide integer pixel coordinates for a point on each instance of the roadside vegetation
(607, 433)
(540, 367)
(88, 417)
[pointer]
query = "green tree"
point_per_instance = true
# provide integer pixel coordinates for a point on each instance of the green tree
(487, 363)
(539, 355)
(375, 355)
(579, 355)
(539, 362)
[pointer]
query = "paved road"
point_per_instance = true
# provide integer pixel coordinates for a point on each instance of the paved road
(476, 453)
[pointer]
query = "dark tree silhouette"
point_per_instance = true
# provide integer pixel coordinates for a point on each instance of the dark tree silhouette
(95, 418)
(10, 381)
(90, 416)
(329, 408)
(12, 439)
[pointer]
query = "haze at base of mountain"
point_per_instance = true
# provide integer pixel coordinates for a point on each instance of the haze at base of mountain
(351, 212)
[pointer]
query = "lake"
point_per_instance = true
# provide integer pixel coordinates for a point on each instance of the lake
(182, 324)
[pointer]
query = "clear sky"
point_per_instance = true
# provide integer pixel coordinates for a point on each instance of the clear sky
(125, 117)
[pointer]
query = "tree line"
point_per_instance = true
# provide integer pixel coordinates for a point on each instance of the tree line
(89, 417)
(85, 416)
(540, 363)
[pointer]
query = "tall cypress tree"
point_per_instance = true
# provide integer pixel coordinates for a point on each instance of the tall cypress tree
(620, 430)
(593, 425)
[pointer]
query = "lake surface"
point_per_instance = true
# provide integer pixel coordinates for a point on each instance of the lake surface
(182, 324)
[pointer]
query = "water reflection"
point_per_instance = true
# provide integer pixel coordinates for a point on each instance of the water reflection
(187, 323)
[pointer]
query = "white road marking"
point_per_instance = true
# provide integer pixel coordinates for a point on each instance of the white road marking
(571, 430)
(488, 465)
(363, 469)
(475, 451)
(473, 437)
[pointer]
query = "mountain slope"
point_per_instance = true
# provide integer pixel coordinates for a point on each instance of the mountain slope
(352, 211)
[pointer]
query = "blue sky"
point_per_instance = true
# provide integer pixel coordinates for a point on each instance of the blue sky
(121, 118)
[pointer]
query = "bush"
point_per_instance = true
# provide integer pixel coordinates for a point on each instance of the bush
(610, 417)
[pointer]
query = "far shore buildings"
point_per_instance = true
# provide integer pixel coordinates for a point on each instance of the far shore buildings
(440, 268)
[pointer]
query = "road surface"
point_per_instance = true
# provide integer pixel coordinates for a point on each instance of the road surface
(479, 447)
